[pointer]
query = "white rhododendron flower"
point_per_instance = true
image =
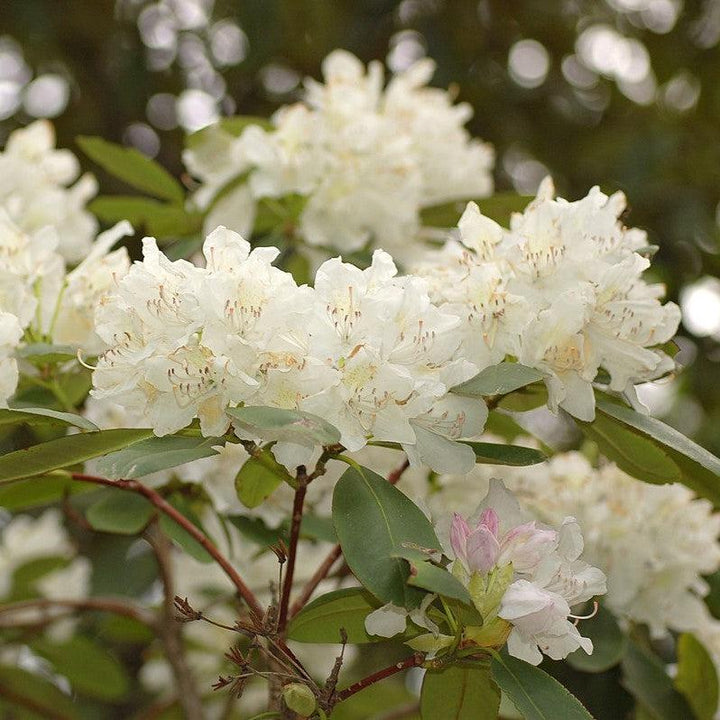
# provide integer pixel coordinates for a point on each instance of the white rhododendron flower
(560, 291)
(365, 159)
(34, 192)
(364, 349)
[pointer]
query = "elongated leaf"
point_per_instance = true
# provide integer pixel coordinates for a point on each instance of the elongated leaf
(158, 218)
(155, 454)
(430, 577)
(255, 530)
(89, 667)
(44, 416)
(66, 451)
(258, 479)
(177, 533)
(535, 694)
(232, 125)
(459, 692)
(133, 167)
(273, 424)
(121, 512)
(321, 620)
(375, 522)
(17, 685)
(675, 457)
(46, 353)
(41, 490)
(644, 676)
(696, 677)
(498, 380)
(609, 644)
(499, 208)
(499, 454)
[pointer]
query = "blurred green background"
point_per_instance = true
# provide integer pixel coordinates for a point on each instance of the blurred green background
(621, 93)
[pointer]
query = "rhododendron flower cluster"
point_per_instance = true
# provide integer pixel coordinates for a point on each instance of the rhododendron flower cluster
(34, 192)
(366, 159)
(561, 291)
(364, 349)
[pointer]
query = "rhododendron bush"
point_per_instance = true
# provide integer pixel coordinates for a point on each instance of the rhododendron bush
(308, 439)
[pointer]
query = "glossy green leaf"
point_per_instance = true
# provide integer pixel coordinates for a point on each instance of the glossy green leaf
(41, 490)
(158, 218)
(255, 530)
(120, 511)
(628, 435)
(645, 678)
(608, 640)
(430, 577)
(320, 621)
(459, 692)
(535, 694)
(525, 398)
(696, 677)
(179, 535)
(17, 685)
(375, 522)
(232, 125)
(91, 669)
(155, 454)
(315, 527)
(44, 416)
(131, 166)
(66, 451)
(499, 208)
(46, 353)
(498, 380)
(499, 454)
(258, 479)
(273, 424)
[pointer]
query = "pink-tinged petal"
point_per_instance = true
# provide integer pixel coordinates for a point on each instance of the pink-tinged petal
(459, 531)
(490, 520)
(482, 550)
(526, 545)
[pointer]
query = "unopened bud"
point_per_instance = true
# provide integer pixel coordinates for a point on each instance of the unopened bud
(299, 698)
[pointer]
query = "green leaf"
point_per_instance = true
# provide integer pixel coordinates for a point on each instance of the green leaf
(609, 644)
(44, 416)
(498, 380)
(273, 424)
(66, 451)
(459, 692)
(499, 454)
(17, 685)
(645, 678)
(499, 208)
(675, 457)
(133, 167)
(158, 218)
(155, 454)
(177, 533)
(255, 530)
(315, 527)
(258, 479)
(535, 694)
(320, 621)
(525, 398)
(46, 353)
(430, 577)
(42, 490)
(375, 522)
(232, 125)
(696, 677)
(89, 667)
(120, 511)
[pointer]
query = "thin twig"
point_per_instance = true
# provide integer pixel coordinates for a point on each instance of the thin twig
(171, 631)
(161, 504)
(318, 576)
(297, 513)
(413, 661)
(111, 605)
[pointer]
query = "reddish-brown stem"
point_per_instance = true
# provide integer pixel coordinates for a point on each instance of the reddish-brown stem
(397, 473)
(297, 513)
(412, 661)
(319, 575)
(161, 504)
(111, 605)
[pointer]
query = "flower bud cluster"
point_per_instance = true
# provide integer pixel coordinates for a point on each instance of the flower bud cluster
(561, 291)
(366, 159)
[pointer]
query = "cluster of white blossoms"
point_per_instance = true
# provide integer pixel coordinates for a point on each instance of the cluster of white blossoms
(523, 579)
(41, 301)
(364, 349)
(34, 192)
(366, 159)
(561, 291)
